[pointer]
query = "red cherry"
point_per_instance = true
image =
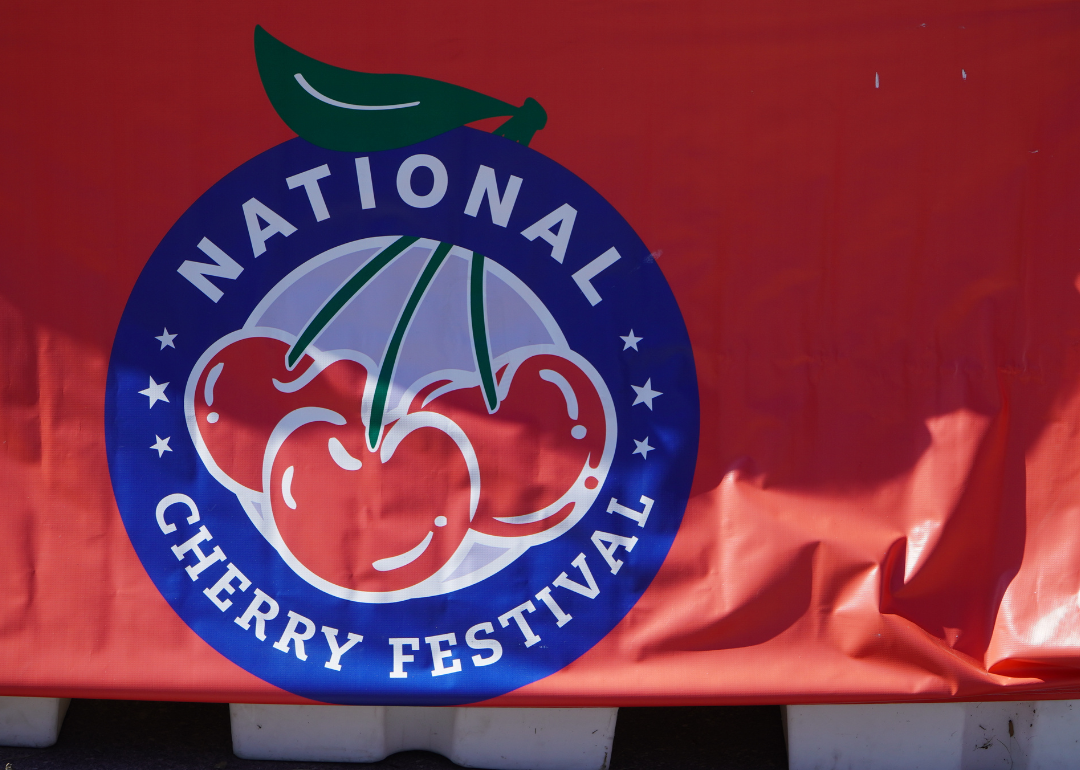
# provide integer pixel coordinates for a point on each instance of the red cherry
(339, 523)
(364, 524)
(242, 406)
(550, 427)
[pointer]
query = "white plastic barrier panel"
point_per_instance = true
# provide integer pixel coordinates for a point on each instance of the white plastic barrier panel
(1019, 735)
(33, 722)
(503, 739)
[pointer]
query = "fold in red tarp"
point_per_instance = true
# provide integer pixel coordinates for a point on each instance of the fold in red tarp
(868, 215)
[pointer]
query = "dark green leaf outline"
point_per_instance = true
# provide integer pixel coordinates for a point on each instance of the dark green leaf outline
(351, 111)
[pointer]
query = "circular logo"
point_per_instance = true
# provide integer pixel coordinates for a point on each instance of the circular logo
(416, 426)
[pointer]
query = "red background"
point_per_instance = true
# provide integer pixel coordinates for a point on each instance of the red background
(880, 285)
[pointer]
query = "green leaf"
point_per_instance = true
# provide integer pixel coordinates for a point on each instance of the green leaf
(351, 111)
(529, 119)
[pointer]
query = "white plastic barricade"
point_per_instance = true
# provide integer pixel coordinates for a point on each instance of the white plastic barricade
(504, 739)
(1020, 735)
(33, 722)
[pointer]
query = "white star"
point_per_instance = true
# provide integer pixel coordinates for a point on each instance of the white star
(162, 445)
(631, 341)
(645, 394)
(643, 448)
(156, 392)
(166, 339)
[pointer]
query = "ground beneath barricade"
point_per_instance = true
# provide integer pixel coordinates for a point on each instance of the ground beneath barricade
(136, 735)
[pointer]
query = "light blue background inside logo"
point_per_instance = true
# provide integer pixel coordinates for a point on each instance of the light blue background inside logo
(635, 296)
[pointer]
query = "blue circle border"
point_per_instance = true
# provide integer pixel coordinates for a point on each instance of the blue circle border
(635, 296)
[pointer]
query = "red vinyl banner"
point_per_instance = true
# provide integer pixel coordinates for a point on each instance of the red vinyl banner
(576, 355)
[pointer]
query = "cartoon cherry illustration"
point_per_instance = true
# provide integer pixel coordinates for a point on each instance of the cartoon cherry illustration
(325, 484)
(547, 436)
(373, 498)
(355, 486)
(373, 521)
(244, 391)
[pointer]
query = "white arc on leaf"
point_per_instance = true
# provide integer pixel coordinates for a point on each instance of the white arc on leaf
(345, 105)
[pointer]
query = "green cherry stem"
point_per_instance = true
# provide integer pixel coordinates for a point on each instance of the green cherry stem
(526, 121)
(348, 290)
(479, 331)
(389, 363)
